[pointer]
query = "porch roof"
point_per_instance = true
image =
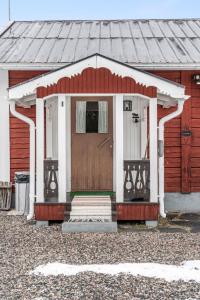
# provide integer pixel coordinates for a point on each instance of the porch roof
(166, 90)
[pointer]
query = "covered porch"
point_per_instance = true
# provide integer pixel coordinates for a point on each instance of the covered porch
(97, 132)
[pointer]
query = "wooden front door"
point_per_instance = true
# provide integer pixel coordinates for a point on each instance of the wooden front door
(92, 143)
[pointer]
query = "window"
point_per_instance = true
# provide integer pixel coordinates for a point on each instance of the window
(91, 117)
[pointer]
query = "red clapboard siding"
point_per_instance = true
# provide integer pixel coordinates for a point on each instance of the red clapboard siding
(185, 149)
(137, 211)
(195, 140)
(19, 131)
(100, 80)
(195, 163)
(49, 211)
(195, 102)
(179, 155)
(186, 141)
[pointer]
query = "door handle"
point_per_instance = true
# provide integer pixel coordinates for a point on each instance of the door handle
(104, 142)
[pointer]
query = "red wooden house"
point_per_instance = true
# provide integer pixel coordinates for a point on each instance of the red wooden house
(114, 106)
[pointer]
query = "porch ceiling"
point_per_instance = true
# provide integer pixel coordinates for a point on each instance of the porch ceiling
(166, 90)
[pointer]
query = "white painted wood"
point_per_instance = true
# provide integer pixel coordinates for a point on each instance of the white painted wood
(40, 149)
(55, 128)
(31, 124)
(153, 151)
(55, 66)
(144, 134)
(68, 137)
(49, 129)
(166, 87)
(135, 134)
(4, 128)
(62, 148)
(119, 156)
(52, 128)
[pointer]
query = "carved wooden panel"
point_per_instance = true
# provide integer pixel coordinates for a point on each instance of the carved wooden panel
(50, 179)
(136, 180)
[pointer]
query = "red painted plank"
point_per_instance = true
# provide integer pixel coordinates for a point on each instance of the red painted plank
(137, 211)
(85, 83)
(19, 131)
(186, 124)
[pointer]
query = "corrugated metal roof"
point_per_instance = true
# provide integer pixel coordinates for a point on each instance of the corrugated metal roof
(136, 42)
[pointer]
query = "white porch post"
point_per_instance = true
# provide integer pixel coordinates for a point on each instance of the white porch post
(49, 130)
(119, 154)
(40, 149)
(62, 148)
(68, 142)
(153, 151)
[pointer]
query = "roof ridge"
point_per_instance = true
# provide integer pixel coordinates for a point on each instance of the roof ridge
(110, 20)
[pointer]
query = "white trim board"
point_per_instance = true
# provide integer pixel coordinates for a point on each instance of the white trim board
(54, 66)
(165, 87)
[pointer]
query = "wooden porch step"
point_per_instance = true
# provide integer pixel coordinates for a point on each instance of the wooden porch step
(91, 207)
(88, 203)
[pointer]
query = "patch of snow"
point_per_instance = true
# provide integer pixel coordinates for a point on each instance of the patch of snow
(188, 270)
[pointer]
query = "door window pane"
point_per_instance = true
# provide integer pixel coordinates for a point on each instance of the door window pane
(91, 117)
(103, 117)
(81, 116)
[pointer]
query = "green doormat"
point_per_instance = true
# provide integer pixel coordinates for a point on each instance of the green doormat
(98, 193)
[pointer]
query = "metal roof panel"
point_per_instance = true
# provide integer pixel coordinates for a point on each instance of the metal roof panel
(133, 41)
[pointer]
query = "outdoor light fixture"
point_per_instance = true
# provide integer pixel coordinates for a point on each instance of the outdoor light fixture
(196, 78)
(135, 117)
(127, 105)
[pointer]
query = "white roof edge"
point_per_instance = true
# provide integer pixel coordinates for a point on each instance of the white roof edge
(164, 86)
(54, 66)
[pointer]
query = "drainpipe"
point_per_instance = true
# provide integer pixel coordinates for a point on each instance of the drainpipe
(32, 156)
(161, 153)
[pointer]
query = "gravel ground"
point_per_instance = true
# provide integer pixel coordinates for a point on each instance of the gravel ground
(24, 246)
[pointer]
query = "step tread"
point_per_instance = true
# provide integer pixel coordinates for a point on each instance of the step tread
(91, 206)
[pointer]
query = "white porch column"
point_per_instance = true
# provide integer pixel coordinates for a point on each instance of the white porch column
(68, 136)
(4, 128)
(49, 130)
(62, 148)
(153, 151)
(40, 149)
(119, 154)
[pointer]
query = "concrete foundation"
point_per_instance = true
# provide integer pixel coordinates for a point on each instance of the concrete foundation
(177, 202)
(89, 227)
(151, 224)
(42, 223)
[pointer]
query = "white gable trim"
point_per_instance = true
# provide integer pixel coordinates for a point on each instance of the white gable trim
(164, 87)
(139, 66)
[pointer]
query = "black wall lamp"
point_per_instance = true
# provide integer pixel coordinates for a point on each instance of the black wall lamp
(127, 105)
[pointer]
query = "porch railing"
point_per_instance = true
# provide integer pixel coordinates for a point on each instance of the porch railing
(137, 180)
(50, 179)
